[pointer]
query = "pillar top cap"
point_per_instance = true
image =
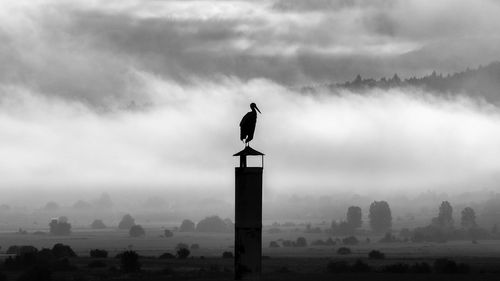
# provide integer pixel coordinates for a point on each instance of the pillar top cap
(248, 151)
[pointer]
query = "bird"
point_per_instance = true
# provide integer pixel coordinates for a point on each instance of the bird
(247, 124)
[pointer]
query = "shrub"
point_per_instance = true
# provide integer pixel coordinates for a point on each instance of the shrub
(338, 267)
(136, 231)
(60, 226)
(63, 251)
(274, 230)
(166, 256)
(376, 255)
(17, 250)
(421, 267)
(96, 253)
(344, 251)
(360, 266)
(388, 238)
(183, 253)
(212, 224)
(227, 255)
(351, 240)
(187, 226)
(301, 242)
(273, 244)
(129, 261)
(318, 242)
(97, 224)
(288, 243)
(330, 242)
(168, 233)
(444, 265)
(127, 222)
(396, 268)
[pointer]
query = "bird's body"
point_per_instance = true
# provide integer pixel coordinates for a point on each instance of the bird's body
(247, 124)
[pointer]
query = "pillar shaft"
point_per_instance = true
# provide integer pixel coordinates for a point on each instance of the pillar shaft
(248, 222)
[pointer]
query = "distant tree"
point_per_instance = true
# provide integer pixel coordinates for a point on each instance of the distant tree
(136, 231)
(127, 222)
(445, 216)
(81, 205)
(187, 226)
(98, 253)
(63, 251)
(227, 255)
(130, 261)
(353, 217)
(104, 202)
(212, 224)
(380, 216)
(468, 220)
(351, 240)
(168, 233)
(60, 226)
(301, 242)
(195, 246)
(97, 224)
(344, 251)
(183, 253)
(273, 244)
(51, 206)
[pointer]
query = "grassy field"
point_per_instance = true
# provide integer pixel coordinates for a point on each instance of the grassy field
(284, 263)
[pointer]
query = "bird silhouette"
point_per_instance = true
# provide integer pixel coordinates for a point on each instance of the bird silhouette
(247, 124)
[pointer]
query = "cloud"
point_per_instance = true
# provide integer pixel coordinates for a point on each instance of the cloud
(328, 143)
(68, 70)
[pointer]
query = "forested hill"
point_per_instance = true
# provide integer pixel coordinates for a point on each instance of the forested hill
(482, 82)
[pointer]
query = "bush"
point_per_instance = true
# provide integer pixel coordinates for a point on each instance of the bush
(227, 255)
(127, 222)
(344, 251)
(183, 253)
(273, 244)
(17, 250)
(444, 265)
(136, 231)
(360, 266)
(396, 268)
(388, 238)
(318, 242)
(338, 267)
(63, 251)
(97, 224)
(274, 230)
(168, 233)
(60, 226)
(301, 242)
(421, 267)
(288, 243)
(129, 261)
(166, 256)
(212, 224)
(187, 226)
(376, 255)
(351, 240)
(96, 253)
(330, 242)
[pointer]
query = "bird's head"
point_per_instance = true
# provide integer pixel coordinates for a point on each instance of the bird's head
(254, 106)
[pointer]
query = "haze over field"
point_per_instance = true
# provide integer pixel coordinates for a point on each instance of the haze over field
(147, 95)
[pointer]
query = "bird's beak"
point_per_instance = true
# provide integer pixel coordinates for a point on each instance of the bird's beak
(257, 109)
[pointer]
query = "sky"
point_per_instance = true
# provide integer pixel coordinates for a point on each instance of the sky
(129, 94)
